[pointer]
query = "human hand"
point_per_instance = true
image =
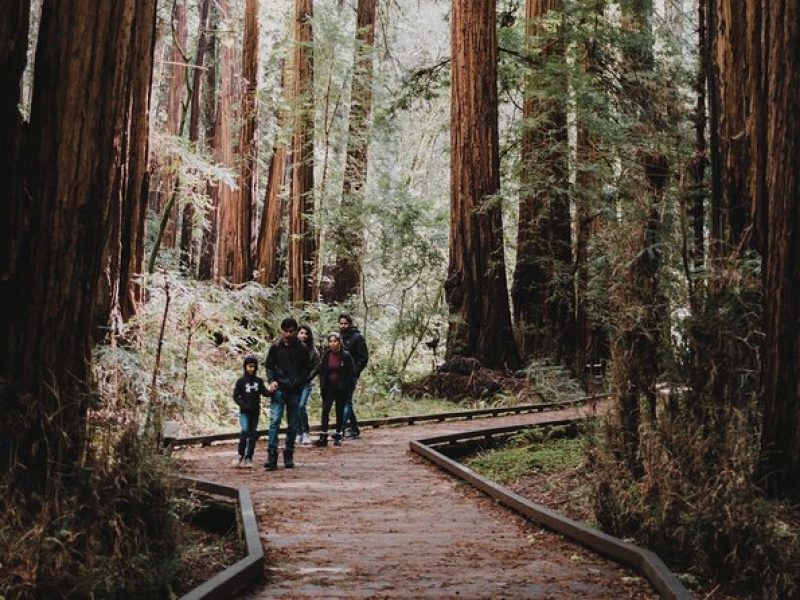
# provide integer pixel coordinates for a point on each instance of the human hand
(273, 386)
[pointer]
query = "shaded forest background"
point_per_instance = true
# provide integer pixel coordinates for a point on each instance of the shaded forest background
(603, 185)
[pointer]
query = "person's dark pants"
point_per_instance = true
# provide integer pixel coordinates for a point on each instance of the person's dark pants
(330, 399)
(349, 417)
(279, 402)
(249, 435)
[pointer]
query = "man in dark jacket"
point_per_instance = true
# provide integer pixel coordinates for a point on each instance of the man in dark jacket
(288, 372)
(356, 345)
(247, 394)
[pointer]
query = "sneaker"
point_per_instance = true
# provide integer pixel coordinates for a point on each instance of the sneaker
(248, 463)
(238, 462)
(337, 442)
(321, 443)
(305, 440)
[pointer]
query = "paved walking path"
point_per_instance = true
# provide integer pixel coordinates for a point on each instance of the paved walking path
(372, 520)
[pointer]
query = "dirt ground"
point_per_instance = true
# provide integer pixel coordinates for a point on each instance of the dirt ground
(372, 520)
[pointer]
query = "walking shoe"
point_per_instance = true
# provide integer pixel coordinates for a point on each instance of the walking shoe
(248, 463)
(272, 461)
(238, 462)
(305, 439)
(337, 442)
(321, 442)
(288, 459)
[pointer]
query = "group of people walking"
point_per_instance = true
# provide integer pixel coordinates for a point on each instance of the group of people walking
(293, 363)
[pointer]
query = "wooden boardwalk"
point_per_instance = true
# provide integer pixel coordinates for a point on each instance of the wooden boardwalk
(372, 520)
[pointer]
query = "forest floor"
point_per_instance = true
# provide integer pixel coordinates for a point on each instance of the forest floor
(370, 519)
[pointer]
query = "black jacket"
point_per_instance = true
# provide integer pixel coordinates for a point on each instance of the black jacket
(347, 374)
(314, 362)
(289, 366)
(248, 391)
(354, 342)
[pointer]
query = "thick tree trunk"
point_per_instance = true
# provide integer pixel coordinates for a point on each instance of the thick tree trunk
(248, 146)
(208, 241)
(175, 100)
(776, 150)
(118, 293)
(728, 73)
(303, 251)
(269, 235)
(70, 163)
(349, 236)
(542, 291)
(187, 220)
(698, 186)
(134, 201)
(14, 23)
(476, 288)
(230, 260)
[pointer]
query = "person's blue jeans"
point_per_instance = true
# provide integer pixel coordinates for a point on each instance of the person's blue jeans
(279, 402)
(302, 418)
(349, 412)
(248, 435)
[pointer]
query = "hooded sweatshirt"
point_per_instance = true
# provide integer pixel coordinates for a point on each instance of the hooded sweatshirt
(354, 342)
(249, 389)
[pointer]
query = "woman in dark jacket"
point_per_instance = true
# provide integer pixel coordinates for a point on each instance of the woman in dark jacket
(336, 376)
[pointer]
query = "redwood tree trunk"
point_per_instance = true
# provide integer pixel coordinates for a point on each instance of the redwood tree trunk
(542, 290)
(302, 238)
(69, 164)
(476, 289)
(175, 99)
(208, 241)
(230, 260)
(269, 236)
(187, 220)
(728, 73)
(248, 146)
(14, 17)
(776, 149)
(349, 236)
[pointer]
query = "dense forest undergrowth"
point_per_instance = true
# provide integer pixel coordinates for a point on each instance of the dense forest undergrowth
(527, 192)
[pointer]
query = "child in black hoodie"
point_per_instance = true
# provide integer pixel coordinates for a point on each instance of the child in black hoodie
(247, 395)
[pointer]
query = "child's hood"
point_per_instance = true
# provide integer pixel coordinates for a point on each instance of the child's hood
(250, 360)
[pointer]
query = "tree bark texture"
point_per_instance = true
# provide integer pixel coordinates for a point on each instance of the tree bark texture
(270, 231)
(349, 236)
(229, 244)
(775, 42)
(175, 99)
(303, 251)
(698, 186)
(187, 220)
(728, 73)
(248, 146)
(543, 290)
(69, 169)
(476, 287)
(208, 241)
(14, 23)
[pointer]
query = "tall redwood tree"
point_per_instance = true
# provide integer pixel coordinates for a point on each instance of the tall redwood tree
(476, 287)
(542, 290)
(774, 37)
(66, 188)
